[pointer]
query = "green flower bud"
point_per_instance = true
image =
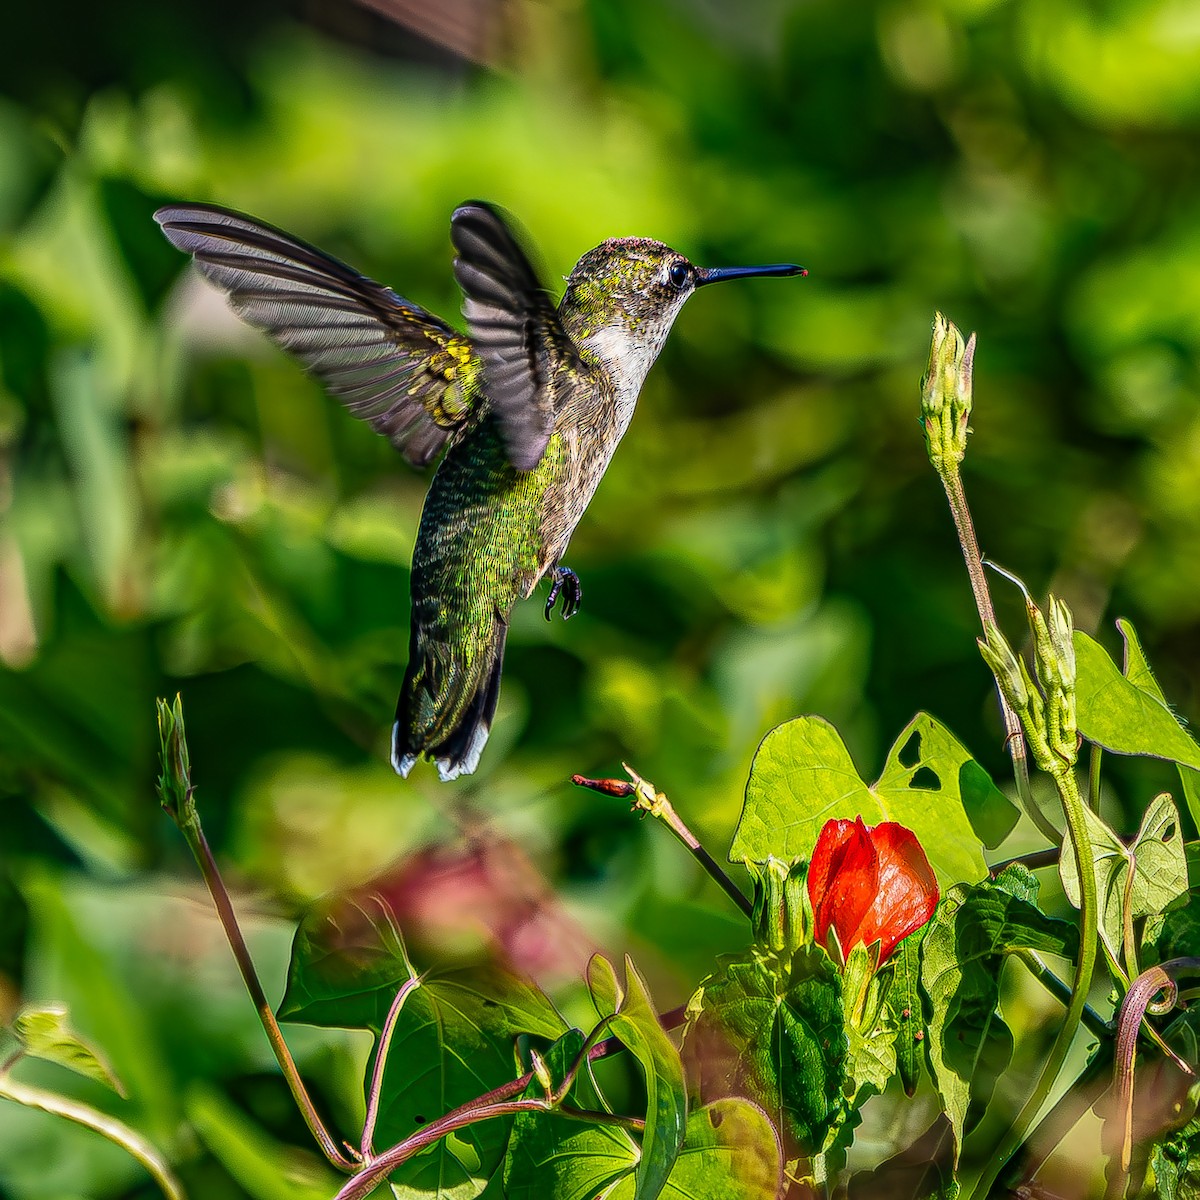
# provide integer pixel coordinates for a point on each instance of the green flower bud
(778, 916)
(175, 782)
(1062, 629)
(1064, 735)
(1007, 668)
(946, 395)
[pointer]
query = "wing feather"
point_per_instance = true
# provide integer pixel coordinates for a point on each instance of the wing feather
(528, 359)
(392, 364)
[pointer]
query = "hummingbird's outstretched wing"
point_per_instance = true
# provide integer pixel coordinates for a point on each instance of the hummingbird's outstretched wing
(389, 362)
(527, 356)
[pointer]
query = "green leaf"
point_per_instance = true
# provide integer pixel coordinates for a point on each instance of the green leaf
(1175, 1162)
(1137, 666)
(973, 929)
(1174, 934)
(1189, 781)
(551, 1155)
(903, 999)
(730, 1152)
(46, 1033)
(635, 1022)
(452, 1041)
(730, 1149)
(1137, 671)
(1156, 859)
(772, 1030)
(803, 776)
(348, 961)
(1127, 715)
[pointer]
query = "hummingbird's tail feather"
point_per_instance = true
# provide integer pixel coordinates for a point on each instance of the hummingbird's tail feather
(445, 708)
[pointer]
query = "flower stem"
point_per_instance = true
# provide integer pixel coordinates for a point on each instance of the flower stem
(1067, 1111)
(1014, 739)
(364, 1181)
(646, 798)
(116, 1131)
(266, 1015)
(177, 796)
(381, 1053)
(1061, 991)
(1081, 847)
(1095, 755)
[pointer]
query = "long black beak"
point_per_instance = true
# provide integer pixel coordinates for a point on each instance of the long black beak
(716, 274)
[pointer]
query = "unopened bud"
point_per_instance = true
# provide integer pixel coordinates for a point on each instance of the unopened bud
(541, 1072)
(1009, 671)
(620, 788)
(778, 915)
(946, 395)
(1064, 733)
(1034, 722)
(1062, 639)
(1054, 655)
(175, 782)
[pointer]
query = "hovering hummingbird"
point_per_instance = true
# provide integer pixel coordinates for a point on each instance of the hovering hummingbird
(529, 406)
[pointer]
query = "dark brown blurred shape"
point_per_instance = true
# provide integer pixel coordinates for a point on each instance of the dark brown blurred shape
(474, 30)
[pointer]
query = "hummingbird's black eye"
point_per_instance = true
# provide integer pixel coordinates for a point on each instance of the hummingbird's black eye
(679, 274)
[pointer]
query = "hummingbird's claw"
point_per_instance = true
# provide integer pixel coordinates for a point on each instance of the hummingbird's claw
(566, 583)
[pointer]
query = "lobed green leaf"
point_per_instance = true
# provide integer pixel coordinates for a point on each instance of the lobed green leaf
(1145, 877)
(803, 776)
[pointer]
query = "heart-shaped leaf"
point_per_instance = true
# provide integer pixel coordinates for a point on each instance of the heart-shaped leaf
(1156, 860)
(803, 775)
(452, 1042)
(1127, 714)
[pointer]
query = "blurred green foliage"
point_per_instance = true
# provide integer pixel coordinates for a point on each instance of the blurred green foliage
(181, 509)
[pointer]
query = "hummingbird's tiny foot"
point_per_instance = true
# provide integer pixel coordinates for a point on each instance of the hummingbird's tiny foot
(566, 583)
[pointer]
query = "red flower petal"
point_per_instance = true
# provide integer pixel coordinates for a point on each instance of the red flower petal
(843, 878)
(869, 885)
(907, 891)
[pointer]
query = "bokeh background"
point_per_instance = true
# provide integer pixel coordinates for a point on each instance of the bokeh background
(182, 510)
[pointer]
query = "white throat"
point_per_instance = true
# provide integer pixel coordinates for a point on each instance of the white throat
(628, 360)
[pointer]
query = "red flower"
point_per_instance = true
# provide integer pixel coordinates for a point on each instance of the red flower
(869, 885)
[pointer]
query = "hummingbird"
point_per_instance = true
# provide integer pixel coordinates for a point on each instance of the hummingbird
(526, 410)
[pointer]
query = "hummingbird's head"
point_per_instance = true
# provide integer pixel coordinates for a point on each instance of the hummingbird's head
(623, 296)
